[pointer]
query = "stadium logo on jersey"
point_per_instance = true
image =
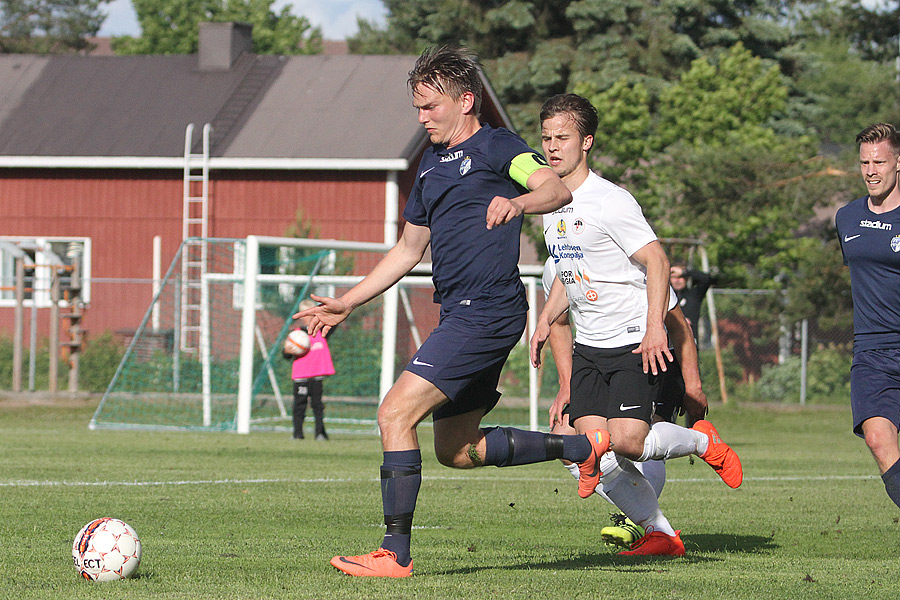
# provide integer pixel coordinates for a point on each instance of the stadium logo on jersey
(561, 228)
(875, 225)
(465, 165)
(452, 156)
(591, 296)
(895, 243)
(578, 226)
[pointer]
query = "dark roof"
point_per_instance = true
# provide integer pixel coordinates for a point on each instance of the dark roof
(268, 108)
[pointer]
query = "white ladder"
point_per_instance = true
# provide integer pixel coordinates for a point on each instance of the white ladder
(194, 232)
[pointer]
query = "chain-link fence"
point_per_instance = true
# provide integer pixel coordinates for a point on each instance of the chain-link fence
(762, 356)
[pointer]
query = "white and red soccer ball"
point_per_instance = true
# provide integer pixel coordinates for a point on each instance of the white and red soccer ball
(106, 550)
(297, 343)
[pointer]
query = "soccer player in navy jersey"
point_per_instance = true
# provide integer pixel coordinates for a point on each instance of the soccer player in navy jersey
(472, 187)
(871, 248)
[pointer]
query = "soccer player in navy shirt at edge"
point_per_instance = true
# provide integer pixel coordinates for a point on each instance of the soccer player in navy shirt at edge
(869, 232)
(471, 189)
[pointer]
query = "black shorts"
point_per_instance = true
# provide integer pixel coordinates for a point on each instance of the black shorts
(611, 383)
(463, 357)
(875, 387)
(671, 396)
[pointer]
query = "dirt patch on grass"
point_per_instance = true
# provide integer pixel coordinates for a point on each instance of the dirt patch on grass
(44, 398)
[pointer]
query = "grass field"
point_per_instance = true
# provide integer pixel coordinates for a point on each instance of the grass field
(259, 516)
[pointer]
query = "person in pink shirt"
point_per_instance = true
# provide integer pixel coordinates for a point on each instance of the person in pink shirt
(308, 372)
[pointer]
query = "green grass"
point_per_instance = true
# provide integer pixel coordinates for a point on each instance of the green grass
(259, 516)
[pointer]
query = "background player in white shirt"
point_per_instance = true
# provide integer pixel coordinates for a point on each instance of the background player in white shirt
(613, 274)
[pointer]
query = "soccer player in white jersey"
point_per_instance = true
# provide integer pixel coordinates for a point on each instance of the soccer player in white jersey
(681, 393)
(613, 277)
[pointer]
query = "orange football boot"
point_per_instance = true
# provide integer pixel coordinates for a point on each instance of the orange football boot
(380, 563)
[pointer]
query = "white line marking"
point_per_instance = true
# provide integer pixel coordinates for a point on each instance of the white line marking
(26, 483)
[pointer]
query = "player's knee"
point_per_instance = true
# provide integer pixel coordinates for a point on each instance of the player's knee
(453, 457)
(880, 441)
(629, 447)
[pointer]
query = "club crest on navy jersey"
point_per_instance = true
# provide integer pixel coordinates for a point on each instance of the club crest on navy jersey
(895, 243)
(465, 165)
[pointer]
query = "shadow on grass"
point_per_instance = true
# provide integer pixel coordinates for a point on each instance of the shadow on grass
(724, 542)
(698, 543)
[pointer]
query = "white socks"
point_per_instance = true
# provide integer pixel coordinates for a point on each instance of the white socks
(634, 496)
(667, 440)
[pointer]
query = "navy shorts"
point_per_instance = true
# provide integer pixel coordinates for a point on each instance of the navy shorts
(463, 357)
(875, 387)
(611, 383)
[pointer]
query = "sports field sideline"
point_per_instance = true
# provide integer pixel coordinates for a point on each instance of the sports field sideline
(259, 516)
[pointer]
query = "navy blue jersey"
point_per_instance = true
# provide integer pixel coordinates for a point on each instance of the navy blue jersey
(472, 265)
(870, 243)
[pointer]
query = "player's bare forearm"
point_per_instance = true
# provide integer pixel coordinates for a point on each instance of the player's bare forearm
(561, 346)
(685, 348)
(547, 193)
(558, 406)
(557, 303)
(399, 261)
(695, 405)
(655, 345)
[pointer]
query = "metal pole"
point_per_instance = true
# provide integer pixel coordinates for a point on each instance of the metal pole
(248, 323)
(714, 328)
(19, 325)
(54, 329)
(32, 333)
(804, 355)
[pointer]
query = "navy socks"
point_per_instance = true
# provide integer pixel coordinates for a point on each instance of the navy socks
(401, 476)
(891, 479)
(507, 447)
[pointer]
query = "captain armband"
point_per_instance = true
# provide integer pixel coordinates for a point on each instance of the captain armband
(524, 166)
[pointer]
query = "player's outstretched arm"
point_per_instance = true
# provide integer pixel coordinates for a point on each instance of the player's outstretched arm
(557, 303)
(695, 403)
(561, 346)
(654, 348)
(399, 261)
(548, 193)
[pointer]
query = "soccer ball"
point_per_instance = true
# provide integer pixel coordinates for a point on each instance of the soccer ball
(106, 550)
(297, 343)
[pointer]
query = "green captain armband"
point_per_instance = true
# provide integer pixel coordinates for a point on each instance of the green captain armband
(524, 166)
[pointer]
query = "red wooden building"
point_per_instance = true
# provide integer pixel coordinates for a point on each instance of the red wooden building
(92, 149)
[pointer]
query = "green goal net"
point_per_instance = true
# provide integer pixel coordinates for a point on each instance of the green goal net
(206, 358)
(182, 369)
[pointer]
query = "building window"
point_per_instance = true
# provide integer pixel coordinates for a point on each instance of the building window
(71, 255)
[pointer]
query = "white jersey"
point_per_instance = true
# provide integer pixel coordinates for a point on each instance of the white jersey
(592, 240)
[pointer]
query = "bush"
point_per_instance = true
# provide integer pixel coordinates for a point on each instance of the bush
(98, 362)
(827, 378)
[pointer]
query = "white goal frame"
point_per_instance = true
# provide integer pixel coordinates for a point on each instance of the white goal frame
(251, 277)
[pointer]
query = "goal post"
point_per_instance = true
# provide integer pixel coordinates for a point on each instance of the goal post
(207, 354)
(245, 383)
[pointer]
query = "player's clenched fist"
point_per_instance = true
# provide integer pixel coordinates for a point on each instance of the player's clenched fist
(501, 211)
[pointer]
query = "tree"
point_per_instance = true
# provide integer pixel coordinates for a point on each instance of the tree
(719, 171)
(172, 26)
(709, 113)
(48, 26)
(534, 48)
